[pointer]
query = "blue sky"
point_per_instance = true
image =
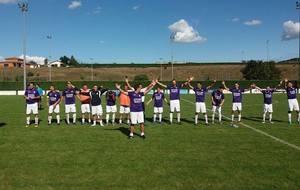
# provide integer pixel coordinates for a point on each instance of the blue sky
(125, 31)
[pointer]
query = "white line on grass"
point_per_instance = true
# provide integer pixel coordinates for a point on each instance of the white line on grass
(259, 131)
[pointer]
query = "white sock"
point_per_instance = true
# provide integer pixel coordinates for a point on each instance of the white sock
(213, 117)
(196, 118)
(36, 119)
(178, 117)
(154, 117)
(83, 120)
(28, 120)
(107, 118)
(232, 117)
(240, 117)
(270, 117)
(131, 134)
(58, 119)
(74, 117)
(128, 121)
(113, 118)
(264, 116)
(171, 117)
(101, 122)
(94, 122)
(206, 118)
(142, 134)
(290, 117)
(160, 117)
(89, 120)
(220, 117)
(49, 119)
(120, 121)
(68, 118)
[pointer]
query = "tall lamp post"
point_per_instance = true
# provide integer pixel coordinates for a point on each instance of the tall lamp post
(172, 37)
(49, 37)
(298, 9)
(24, 9)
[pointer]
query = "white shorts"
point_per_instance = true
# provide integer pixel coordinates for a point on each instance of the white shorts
(124, 109)
(293, 105)
(70, 108)
(137, 117)
(217, 109)
(85, 108)
(32, 109)
(236, 106)
(268, 108)
(174, 105)
(200, 107)
(158, 110)
(111, 109)
(52, 109)
(97, 110)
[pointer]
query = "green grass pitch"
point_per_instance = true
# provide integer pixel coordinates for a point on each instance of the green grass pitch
(172, 157)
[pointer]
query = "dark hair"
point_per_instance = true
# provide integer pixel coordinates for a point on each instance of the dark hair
(136, 86)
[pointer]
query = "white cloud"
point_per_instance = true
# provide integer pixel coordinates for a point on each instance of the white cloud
(97, 10)
(37, 59)
(290, 30)
(75, 5)
(184, 33)
(253, 22)
(235, 19)
(136, 7)
(7, 1)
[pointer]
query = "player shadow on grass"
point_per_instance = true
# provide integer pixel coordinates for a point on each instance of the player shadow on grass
(259, 119)
(125, 131)
(3, 124)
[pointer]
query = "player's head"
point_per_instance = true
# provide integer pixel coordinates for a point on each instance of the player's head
(126, 87)
(95, 87)
(69, 84)
(31, 85)
(52, 88)
(158, 89)
(199, 84)
(290, 84)
(140, 86)
(137, 87)
(237, 85)
(174, 82)
(84, 87)
(268, 88)
(221, 88)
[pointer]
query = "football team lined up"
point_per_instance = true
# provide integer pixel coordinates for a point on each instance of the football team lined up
(132, 107)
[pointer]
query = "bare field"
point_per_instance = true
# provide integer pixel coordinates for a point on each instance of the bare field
(200, 72)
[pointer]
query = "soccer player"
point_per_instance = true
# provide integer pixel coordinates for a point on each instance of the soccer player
(136, 107)
(200, 92)
(85, 99)
(111, 106)
(41, 93)
(159, 99)
(97, 110)
(54, 99)
(32, 97)
(218, 100)
(268, 106)
(124, 106)
(237, 93)
(291, 92)
(69, 94)
(174, 89)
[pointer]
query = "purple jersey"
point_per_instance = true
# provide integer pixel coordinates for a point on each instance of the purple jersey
(291, 93)
(53, 96)
(111, 99)
(174, 92)
(31, 94)
(158, 98)
(218, 97)
(236, 95)
(268, 94)
(200, 94)
(69, 95)
(136, 103)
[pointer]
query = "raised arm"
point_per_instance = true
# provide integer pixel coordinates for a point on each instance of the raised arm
(212, 84)
(128, 84)
(189, 85)
(256, 87)
(153, 83)
(224, 85)
(119, 88)
(189, 80)
(149, 101)
(161, 84)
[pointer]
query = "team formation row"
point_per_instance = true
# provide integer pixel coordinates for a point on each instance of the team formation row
(132, 102)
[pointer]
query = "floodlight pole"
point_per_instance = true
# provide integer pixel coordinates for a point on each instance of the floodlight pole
(161, 68)
(24, 9)
(92, 69)
(298, 9)
(172, 37)
(49, 37)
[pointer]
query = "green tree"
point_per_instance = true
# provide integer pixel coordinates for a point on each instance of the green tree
(259, 70)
